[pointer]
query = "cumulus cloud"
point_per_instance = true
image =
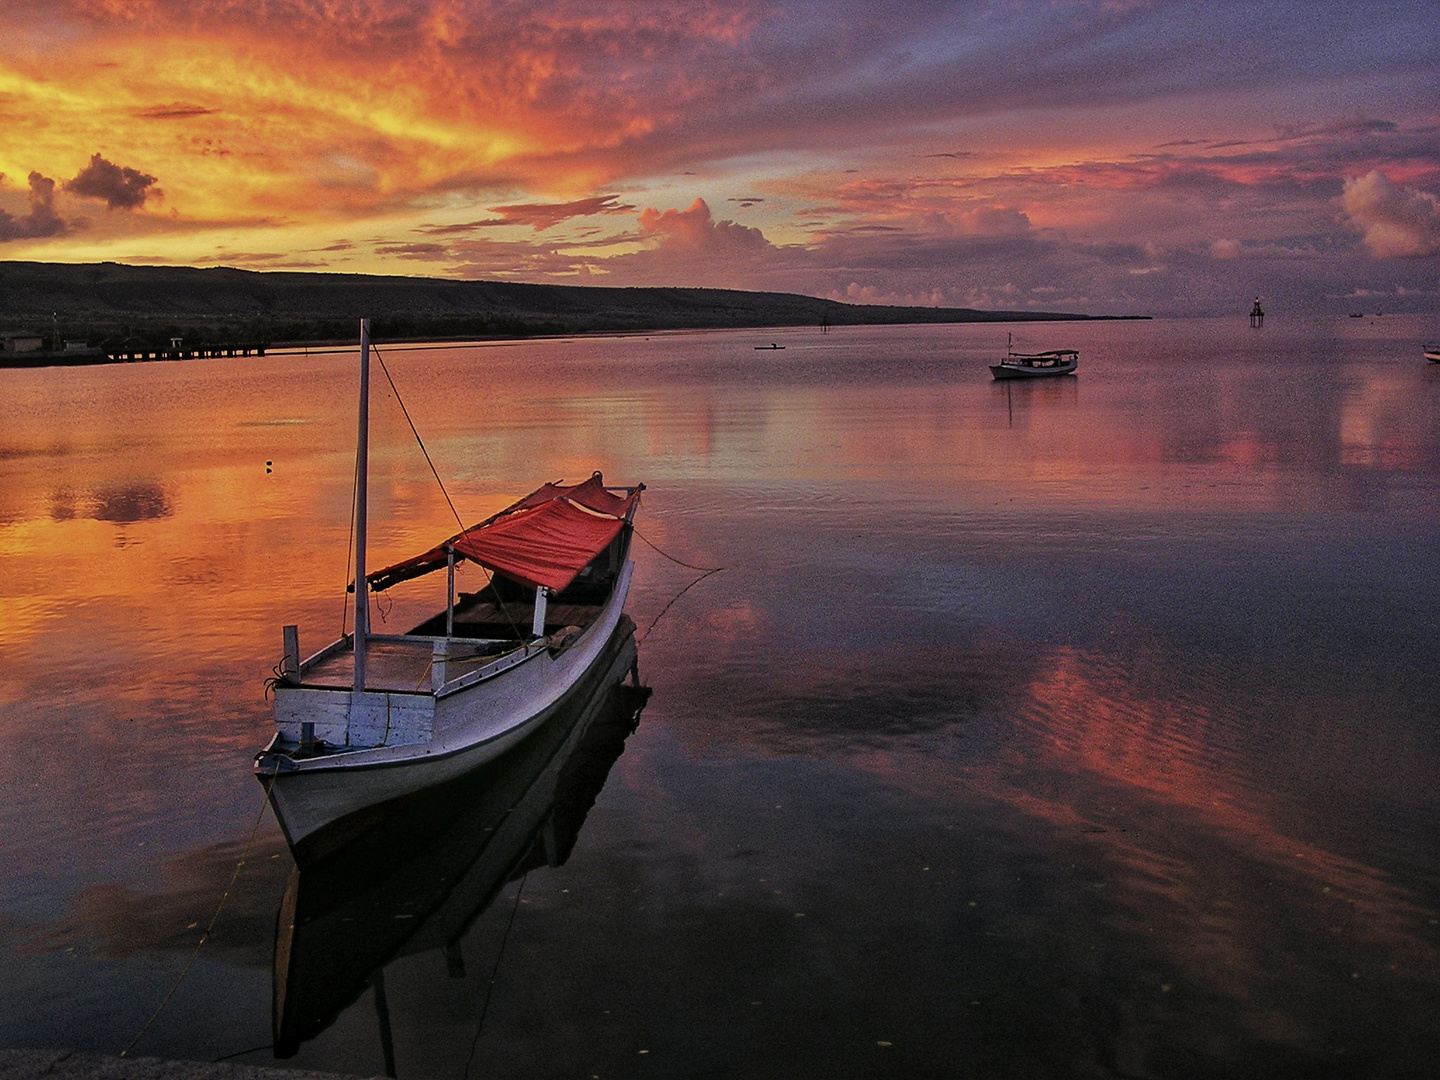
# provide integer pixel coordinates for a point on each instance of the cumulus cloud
(991, 221)
(1397, 222)
(693, 229)
(41, 221)
(121, 187)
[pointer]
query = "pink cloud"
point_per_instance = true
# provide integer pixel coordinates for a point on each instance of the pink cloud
(1397, 222)
(693, 229)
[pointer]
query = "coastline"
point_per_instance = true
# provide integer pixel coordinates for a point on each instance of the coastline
(94, 356)
(121, 310)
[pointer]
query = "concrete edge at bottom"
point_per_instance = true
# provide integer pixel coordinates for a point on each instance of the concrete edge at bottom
(74, 1065)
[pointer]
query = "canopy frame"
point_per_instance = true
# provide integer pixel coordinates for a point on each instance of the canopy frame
(541, 541)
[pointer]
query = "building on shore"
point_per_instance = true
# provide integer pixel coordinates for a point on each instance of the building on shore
(20, 341)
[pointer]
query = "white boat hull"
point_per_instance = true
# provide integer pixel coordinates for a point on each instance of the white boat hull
(471, 725)
(1018, 371)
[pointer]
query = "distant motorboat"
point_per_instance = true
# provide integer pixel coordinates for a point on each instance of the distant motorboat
(772, 345)
(1035, 365)
(1432, 352)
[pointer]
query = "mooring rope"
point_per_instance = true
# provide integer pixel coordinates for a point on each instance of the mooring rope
(396, 390)
(244, 854)
(706, 571)
(494, 970)
(677, 562)
(436, 473)
(646, 635)
(242, 1053)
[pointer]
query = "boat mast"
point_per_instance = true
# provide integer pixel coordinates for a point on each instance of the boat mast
(362, 454)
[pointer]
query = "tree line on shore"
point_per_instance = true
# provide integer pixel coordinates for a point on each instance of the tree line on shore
(111, 305)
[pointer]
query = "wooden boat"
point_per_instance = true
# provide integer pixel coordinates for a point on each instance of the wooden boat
(1432, 352)
(420, 878)
(1035, 365)
(372, 718)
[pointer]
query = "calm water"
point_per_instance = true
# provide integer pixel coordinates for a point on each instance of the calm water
(1076, 729)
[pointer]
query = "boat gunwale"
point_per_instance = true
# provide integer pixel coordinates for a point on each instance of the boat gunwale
(337, 646)
(403, 754)
(1049, 354)
(1027, 361)
(419, 642)
(344, 758)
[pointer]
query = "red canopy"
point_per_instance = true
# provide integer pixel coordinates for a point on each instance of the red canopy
(544, 539)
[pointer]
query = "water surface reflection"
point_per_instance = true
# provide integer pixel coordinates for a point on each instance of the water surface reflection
(1088, 730)
(417, 877)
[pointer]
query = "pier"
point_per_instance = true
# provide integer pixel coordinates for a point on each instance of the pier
(127, 354)
(130, 354)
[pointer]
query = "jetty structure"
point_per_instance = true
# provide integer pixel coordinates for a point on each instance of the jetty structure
(20, 349)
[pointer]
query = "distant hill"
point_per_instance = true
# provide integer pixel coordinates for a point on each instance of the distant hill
(110, 303)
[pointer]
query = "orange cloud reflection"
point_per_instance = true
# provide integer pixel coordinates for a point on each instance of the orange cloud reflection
(1189, 836)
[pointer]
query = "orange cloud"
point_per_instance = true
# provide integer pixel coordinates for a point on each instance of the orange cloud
(286, 125)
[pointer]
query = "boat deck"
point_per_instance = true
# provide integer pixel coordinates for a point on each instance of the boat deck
(483, 632)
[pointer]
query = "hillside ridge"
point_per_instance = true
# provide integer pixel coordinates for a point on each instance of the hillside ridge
(107, 303)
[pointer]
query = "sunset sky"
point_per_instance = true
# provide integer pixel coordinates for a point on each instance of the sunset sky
(1106, 156)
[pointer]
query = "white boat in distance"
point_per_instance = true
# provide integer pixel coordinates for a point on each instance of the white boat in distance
(372, 718)
(1035, 365)
(1432, 352)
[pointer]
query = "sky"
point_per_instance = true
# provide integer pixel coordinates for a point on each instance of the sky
(1104, 156)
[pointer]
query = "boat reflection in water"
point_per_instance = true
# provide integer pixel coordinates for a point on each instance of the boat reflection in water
(417, 877)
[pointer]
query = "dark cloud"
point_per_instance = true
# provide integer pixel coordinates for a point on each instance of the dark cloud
(177, 111)
(545, 215)
(458, 228)
(121, 187)
(424, 252)
(539, 216)
(519, 261)
(1349, 128)
(233, 258)
(41, 220)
